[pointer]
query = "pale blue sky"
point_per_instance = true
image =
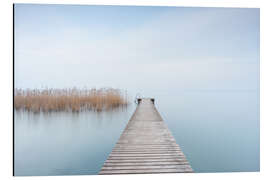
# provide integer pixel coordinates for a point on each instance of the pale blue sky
(140, 49)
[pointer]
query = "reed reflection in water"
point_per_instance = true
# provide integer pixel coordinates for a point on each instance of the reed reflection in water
(66, 143)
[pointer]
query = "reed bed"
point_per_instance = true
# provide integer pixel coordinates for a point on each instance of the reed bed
(75, 100)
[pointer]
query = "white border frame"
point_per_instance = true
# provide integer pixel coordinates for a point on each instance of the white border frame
(6, 79)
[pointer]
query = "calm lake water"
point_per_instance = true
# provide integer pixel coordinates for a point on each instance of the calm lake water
(218, 131)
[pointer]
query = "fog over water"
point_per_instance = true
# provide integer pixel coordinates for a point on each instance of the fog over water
(200, 64)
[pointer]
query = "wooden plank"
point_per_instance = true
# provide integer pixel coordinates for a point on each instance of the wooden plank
(146, 160)
(146, 146)
(146, 151)
(144, 157)
(146, 171)
(156, 163)
(136, 149)
(177, 166)
(145, 154)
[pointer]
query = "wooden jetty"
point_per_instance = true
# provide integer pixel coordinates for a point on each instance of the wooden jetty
(146, 146)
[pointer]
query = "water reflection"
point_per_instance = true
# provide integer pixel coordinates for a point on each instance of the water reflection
(62, 143)
(217, 131)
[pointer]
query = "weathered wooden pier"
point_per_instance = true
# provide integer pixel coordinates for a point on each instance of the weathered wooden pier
(146, 146)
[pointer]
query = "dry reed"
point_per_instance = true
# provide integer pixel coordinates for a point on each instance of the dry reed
(74, 100)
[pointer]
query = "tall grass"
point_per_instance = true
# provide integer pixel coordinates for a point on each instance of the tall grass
(74, 100)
